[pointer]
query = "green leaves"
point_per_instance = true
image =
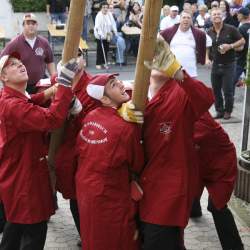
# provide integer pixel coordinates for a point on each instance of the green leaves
(28, 5)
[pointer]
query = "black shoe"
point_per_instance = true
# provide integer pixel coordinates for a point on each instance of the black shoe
(195, 214)
(238, 248)
(196, 209)
(218, 115)
(79, 243)
(227, 116)
(55, 201)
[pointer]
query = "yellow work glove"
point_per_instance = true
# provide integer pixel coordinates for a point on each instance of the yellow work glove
(164, 60)
(128, 112)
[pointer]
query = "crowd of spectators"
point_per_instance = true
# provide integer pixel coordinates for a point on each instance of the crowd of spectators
(228, 29)
(114, 22)
(126, 16)
(117, 24)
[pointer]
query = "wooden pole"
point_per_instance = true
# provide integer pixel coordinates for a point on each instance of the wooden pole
(151, 19)
(70, 49)
(74, 29)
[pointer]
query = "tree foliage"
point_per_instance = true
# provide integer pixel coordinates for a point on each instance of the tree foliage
(28, 5)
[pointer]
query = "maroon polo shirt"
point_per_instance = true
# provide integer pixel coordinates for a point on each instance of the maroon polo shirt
(35, 59)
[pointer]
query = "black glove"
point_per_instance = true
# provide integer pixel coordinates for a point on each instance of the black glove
(68, 72)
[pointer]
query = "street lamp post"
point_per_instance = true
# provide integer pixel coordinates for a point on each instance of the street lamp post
(242, 187)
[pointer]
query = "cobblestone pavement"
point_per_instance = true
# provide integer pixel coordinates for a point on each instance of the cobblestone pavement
(62, 233)
(200, 233)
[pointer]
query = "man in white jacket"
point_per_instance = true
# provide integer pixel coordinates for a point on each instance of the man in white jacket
(105, 31)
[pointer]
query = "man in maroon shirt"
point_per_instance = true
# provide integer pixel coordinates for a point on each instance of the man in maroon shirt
(34, 50)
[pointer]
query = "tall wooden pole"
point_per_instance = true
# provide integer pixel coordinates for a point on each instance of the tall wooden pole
(246, 106)
(74, 29)
(70, 49)
(150, 27)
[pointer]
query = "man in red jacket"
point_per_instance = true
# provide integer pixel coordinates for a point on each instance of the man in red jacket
(170, 175)
(66, 159)
(218, 171)
(109, 151)
(24, 177)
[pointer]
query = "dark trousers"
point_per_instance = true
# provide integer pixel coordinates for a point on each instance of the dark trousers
(99, 52)
(222, 78)
(226, 228)
(24, 236)
(2, 217)
(75, 214)
(157, 237)
(238, 71)
(132, 44)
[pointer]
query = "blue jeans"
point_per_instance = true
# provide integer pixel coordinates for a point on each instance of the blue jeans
(222, 78)
(239, 70)
(120, 47)
(58, 17)
(85, 28)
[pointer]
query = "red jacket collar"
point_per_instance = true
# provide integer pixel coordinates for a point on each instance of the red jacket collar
(7, 91)
(82, 83)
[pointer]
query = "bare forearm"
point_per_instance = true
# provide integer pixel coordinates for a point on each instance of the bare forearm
(51, 68)
(238, 44)
(50, 92)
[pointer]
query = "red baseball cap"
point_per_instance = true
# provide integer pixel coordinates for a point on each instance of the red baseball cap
(4, 59)
(96, 86)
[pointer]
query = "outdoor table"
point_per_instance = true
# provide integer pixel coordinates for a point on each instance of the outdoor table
(130, 33)
(54, 33)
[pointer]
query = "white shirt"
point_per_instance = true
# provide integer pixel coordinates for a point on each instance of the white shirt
(104, 24)
(184, 47)
(88, 8)
(168, 22)
(208, 41)
(201, 20)
(31, 42)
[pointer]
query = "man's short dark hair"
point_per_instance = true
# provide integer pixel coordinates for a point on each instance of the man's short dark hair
(104, 4)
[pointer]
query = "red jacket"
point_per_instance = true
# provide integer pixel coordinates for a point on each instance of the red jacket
(170, 176)
(66, 156)
(24, 179)
(217, 160)
(108, 148)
